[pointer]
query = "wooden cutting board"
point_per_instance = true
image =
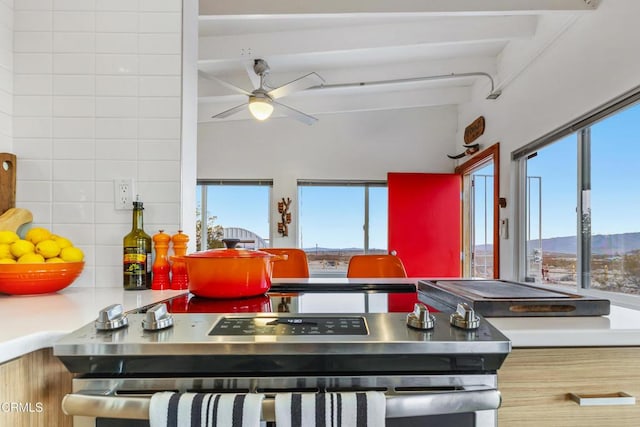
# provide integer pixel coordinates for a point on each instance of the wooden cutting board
(7, 181)
(14, 218)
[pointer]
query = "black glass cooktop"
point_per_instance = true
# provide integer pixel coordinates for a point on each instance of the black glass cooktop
(334, 325)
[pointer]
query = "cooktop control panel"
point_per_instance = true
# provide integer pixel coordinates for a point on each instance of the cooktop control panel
(250, 326)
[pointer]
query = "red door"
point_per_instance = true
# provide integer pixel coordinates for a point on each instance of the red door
(425, 222)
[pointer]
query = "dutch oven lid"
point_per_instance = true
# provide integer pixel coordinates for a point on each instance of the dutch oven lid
(230, 252)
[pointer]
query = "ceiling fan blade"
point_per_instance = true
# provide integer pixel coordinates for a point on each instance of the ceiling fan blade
(296, 114)
(230, 111)
(223, 83)
(304, 82)
(255, 79)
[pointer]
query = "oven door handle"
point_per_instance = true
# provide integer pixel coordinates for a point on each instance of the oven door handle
(409, 404)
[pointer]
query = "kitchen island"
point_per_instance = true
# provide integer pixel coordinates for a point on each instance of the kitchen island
(552, 356)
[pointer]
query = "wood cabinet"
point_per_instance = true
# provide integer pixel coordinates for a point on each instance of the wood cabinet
(31, 390)
(535, 386)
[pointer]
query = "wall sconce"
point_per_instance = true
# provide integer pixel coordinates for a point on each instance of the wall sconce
(283, 209)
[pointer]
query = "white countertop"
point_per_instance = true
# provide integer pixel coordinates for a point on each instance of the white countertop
(34, 322)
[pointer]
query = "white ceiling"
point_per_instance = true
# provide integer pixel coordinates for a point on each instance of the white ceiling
(355, 41)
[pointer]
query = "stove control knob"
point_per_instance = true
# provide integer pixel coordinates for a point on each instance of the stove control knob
(420, 318)
(464, 317)
(157, 318)
(111, 318)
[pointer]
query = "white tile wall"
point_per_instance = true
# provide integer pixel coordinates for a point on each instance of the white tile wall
(92, 90)
(6, 74)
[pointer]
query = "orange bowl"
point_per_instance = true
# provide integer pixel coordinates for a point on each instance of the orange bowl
(29, 279)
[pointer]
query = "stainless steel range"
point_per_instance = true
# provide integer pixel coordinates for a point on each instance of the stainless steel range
(435, 368)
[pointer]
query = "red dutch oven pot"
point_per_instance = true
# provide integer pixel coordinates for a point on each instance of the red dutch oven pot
(230, 273)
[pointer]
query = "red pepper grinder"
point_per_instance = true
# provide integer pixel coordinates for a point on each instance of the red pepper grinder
(161, 265)
(179, 278)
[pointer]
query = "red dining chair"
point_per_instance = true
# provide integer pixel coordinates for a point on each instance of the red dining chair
(375, 266)
(296, 264)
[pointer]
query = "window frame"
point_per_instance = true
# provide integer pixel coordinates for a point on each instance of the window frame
(203, 183)
(581, 126)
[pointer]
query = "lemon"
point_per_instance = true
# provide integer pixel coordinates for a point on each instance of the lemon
(53, 260)
(7, 261)
(30, 258)
(37, 234)
(21, 247)
(48, 248)
(71, 254)
(63, 242)
(8, 237)
(5, 251)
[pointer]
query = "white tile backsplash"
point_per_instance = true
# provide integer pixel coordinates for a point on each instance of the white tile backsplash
(32, 106)
(116, 64)
(116, 106)
(116, 86)
(32, 63)
(33, 20)
(33, 84)
(74, 85)
(74, 63)
(108, 128)
(160, 86)
(32, 127)
(116, 43)
(74, 106)
(73, 213)
(160, 107)
(73, 170)
(159, 128)
(33, 4)
(108, 170)
(74, 21)
(32, 41)
(160, 65)
(95, 92)
(74, 5)
(160, 43)
(73, 127)
(74, 149)
(72, 191)
(73, 43)
(117, 5)
(152, 22)
(116, 22)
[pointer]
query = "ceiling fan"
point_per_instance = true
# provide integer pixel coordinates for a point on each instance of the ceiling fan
(262, 99)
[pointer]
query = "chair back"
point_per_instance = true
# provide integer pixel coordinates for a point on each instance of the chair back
(296, 264)
(376, 266)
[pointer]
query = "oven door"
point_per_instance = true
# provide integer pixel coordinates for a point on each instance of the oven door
(437, 400)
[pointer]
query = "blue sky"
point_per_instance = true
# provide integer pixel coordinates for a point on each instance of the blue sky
(615, 201)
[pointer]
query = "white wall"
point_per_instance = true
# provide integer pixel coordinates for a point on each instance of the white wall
(593, 62)
(6, 74)
(356, 146)
(97, 96)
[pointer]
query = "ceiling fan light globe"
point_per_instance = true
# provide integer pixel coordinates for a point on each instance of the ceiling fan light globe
(261, 109)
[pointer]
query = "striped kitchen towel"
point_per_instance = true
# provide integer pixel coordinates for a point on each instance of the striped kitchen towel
(353, 409)
(168, 409)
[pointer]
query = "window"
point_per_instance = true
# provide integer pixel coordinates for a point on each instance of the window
(233, 210)
(550, 219)
(338, 220)
(580, 207)
(615, 203)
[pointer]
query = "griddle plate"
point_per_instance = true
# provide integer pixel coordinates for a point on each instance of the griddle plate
(493, 289)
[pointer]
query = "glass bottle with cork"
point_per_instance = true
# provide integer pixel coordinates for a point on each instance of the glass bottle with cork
(137, 260)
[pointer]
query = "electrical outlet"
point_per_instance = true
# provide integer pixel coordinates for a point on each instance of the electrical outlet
(123, 193)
